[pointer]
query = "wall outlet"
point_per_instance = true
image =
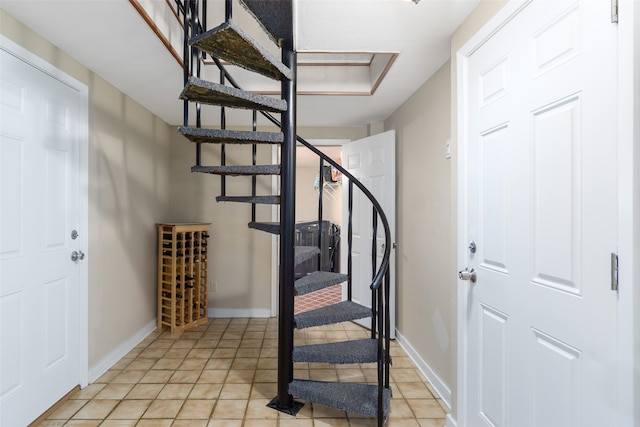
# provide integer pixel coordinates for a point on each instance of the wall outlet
(213, 286)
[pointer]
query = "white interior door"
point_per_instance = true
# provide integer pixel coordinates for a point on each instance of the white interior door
(539, 133)
(372, 161)
(40, 304)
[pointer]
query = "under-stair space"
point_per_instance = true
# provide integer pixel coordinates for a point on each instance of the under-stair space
(228, 42)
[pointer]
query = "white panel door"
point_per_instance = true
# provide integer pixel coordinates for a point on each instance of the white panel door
(372, 161)
(540, 140)
(40, 206)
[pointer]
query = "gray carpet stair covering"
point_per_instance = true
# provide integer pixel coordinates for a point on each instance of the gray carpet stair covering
(303, 253)
(225, 136)
(264, 200)
(344, 352)
(238, 170)
(341, 312)
(351, 397)
(229, 42)
(204, 92)
(274, 16)
(318, 280)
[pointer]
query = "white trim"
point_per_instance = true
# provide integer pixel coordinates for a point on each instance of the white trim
(628, 213)
(463, 289)
(239, 312)
(114, 356)
(83, 139)
(438, 385)
(451, 422)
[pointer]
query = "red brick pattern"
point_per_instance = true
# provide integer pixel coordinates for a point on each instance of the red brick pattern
(317, 299)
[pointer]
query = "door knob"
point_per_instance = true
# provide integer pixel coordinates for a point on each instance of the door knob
(467, 274)
(77, 255)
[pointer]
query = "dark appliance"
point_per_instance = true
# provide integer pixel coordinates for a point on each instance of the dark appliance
(307, 234)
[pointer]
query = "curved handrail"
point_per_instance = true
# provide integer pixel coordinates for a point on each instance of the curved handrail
(377, 280)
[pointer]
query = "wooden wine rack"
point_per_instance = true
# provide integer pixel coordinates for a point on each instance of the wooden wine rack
(182, 275)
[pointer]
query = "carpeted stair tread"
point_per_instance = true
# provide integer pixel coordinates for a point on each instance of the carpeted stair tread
(303, 253)
(269, 227)
(228, 41)
(318, 280)
(350, 397)
(275, 16)
(238, 170)
(226, 136)
(205, 92)
(355, 351)
(341, 312)
(265, 200)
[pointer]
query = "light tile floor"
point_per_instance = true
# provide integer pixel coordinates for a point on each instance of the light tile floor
(224, 373)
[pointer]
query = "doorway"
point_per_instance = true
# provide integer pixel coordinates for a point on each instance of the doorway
(307, 196)
(43, 235)
(538, 315)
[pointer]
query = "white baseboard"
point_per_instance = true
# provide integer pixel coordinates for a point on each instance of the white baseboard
(451, 422)
(239, 312)
(97, 370)
(438, 385)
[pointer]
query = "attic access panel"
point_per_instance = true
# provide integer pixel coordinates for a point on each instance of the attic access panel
(323, 73)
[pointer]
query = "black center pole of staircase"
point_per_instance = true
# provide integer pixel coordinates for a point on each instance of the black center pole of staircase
(320, 197)
(228, 5)
(254, 161)
(284, 401)
(186, 60)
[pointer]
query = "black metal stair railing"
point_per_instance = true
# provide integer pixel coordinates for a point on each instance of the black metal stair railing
(378, 275)
(192, 11)
(194, 14)
(381, 272)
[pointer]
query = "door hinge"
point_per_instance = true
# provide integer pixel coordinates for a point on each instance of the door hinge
(614, 11)
(614, 271)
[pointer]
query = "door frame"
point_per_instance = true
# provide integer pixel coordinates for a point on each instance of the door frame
(37, 62)
(275, 217)
(628, 206)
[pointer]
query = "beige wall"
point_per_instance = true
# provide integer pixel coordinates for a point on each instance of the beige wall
(423, 225)
(128, 194)
(351, 133)
(307, 198)
(239, 258)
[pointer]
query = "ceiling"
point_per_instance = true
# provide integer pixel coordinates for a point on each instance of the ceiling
(111, 38)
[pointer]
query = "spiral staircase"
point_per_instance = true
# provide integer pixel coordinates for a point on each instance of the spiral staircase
(229, 43)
